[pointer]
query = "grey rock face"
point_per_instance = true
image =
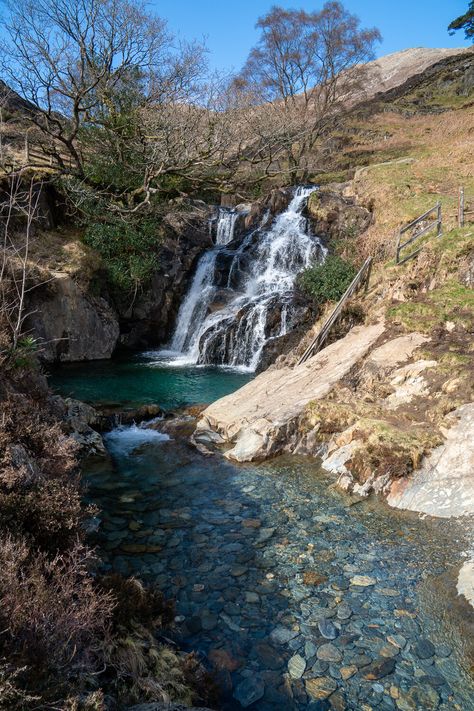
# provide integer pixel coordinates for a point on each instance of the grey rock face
(70, 324)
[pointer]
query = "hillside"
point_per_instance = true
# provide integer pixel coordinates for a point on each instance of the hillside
(394, 70)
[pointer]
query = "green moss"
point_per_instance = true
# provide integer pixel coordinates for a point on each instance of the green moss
(332, 177)
(450, 302)
(450, 360)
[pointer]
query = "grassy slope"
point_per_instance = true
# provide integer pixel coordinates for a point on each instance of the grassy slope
(408, 149)
(403, 158)
(437, 162)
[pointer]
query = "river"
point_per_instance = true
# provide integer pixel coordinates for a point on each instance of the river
(300, 596)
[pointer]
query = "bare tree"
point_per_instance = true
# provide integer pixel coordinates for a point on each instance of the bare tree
(18, 212)
(77, 59)
(302, 72)
(4, 94)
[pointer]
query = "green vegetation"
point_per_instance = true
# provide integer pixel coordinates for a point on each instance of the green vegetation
(327, 281)
(450, 302)
(464, 22)
(129, 250)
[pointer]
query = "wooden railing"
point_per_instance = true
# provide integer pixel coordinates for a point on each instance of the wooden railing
(464, 208)
(33, 155)
(38, 156)
(437, 223)
(361, 279)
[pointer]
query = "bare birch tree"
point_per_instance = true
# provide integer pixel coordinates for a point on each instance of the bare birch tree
(75, 59)
(302, 73)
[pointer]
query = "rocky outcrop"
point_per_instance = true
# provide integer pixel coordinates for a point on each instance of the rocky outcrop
(407, 67)
(81, 422)
(150, 319)
(71, 324)
(444, 484)
(260, 418)
(434, 71)
(337, 217)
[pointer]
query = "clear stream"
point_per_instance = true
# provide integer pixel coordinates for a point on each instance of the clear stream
(300, 597)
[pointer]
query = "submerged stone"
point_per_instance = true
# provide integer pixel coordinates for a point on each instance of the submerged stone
(296, 666)
(282, 635)
(363, 580)
(249, 691)
(327, 629)
(329, 653)
(320, 688)
(424, 649)
(379, 669)
(313, 578)
(344, 612)
(417, 698)
(347, 672)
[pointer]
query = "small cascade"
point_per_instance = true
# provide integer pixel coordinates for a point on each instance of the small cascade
(193, 310)
(226, 225)
(242, 292)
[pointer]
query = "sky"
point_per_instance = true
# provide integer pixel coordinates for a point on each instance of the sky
(229, 27)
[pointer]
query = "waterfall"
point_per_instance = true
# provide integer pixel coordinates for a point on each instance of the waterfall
(225, 225)
(242, 291)
(194, 308)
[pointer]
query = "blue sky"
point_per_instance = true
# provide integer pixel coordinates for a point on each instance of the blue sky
(228, 27)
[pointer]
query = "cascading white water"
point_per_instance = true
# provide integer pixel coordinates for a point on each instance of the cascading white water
(260, 275)
(226, 226)
(194, 308)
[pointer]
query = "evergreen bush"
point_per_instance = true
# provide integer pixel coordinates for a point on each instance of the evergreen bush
(327, 281)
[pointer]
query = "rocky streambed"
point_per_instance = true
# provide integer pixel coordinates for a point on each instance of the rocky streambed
(296, 595)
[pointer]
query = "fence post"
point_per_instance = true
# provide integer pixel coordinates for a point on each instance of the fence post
(367, 278)
(440, 219)
(461, 208)
(397, 257)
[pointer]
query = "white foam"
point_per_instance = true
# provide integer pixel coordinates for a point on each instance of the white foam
(123, 440)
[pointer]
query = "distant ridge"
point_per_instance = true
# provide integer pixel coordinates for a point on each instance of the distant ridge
(395, 69)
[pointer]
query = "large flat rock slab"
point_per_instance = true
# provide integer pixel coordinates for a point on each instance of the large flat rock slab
(257, 418)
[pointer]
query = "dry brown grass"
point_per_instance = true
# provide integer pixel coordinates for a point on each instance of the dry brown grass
(438, 160)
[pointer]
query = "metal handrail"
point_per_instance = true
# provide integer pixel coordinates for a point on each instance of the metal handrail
(363, 275)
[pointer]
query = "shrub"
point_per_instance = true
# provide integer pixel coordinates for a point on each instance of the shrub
(136, 603)
(327, 281)
(12, 696)
(48, 514)
(52, 615)
(128, 250)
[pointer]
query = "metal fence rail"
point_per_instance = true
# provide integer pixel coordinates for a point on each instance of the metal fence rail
(362, 278)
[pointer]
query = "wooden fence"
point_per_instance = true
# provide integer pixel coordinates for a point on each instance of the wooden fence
(361, 279)
(33, 155)
(464, 208)
(437, 224)
(38, 156)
